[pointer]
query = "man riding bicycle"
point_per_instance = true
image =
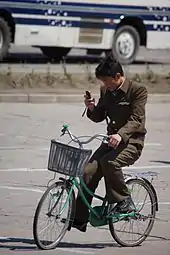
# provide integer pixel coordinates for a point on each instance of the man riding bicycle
(122, 102)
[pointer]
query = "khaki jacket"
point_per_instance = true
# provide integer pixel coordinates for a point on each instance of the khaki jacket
(125, 110)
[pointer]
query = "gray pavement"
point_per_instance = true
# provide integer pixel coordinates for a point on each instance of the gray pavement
(25, 133)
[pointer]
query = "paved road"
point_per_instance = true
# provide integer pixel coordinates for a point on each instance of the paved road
(25, 133)
(25, 59)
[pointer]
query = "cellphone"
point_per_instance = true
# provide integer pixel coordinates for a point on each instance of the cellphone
(88, 94)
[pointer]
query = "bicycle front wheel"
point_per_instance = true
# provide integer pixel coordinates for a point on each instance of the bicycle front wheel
(56, 203)
(132, 231)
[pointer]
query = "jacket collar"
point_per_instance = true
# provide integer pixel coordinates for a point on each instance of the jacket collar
(125, 86)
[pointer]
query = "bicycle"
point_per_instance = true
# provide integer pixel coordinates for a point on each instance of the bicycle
(71, 161)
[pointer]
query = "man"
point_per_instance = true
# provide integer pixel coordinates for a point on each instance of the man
(123, 103)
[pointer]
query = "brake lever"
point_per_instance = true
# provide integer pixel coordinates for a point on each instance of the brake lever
(62, 132)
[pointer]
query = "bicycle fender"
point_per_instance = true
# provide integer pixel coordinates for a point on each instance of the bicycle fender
(154, 191)
(73, 209)
(149, 184)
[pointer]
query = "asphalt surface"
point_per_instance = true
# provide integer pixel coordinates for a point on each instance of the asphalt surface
(26, 59)
(25, 133)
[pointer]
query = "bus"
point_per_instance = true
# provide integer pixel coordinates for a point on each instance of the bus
(57, 26)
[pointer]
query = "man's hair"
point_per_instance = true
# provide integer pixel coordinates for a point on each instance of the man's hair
(109, 66)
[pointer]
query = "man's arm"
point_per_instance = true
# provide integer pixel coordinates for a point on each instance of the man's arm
(137, 114)
(98, 114)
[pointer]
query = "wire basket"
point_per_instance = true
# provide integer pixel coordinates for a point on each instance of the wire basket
(67, 160)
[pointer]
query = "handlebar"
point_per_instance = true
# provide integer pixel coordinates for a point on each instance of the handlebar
(65, 130)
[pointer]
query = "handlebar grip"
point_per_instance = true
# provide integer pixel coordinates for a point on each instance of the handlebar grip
(64, 129)
(106, 140)
(65, 126)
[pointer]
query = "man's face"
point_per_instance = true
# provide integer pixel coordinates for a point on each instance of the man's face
(111, 83)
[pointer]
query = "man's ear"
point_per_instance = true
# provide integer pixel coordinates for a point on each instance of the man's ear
(117, 76)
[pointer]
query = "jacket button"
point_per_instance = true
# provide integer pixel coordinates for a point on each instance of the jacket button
(113, 122)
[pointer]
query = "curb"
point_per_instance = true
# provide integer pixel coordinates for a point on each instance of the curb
(64, 98)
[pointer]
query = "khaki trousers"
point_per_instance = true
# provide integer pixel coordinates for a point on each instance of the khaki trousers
(109, 163)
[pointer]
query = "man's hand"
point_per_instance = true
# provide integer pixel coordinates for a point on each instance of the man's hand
(114, 140)
(90, 103)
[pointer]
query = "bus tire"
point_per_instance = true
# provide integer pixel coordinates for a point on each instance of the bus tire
(56, 53)
(5, 38)
(126, 43)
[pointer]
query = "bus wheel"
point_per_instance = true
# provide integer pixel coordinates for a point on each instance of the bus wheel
(5, 38)
(126, 43)
(55, 53)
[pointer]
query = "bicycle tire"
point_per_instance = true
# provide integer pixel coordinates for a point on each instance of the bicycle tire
(151, 221)
(54, 244)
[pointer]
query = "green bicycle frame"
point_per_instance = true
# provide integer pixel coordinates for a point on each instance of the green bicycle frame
(78, 185)
(103, 206)
(102, 212)
(83, 184)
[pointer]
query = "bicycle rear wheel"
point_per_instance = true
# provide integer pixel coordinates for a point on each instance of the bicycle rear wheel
(125, 231)
(56, 203)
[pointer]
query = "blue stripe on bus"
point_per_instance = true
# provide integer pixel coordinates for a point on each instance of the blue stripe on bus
(46, 22)
(85, 13)
(27, 11)
(78, 14)
(28, 21)
(90, 5)
(63, 3)
(109, 16)
(54, 23)
(105, 5)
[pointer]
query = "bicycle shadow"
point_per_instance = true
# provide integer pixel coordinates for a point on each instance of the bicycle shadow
(26, 244)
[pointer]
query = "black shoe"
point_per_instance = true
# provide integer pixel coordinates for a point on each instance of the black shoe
(81, 226)
(125, 206)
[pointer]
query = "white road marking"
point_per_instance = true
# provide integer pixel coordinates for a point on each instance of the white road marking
(149, 144)
(164, 203)
(4, 238)
(153, 144)
(5, 148)
(148, 167)
(23, 170)
(45, 169)
(42, 191)
(75, 250)
(21, 188)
